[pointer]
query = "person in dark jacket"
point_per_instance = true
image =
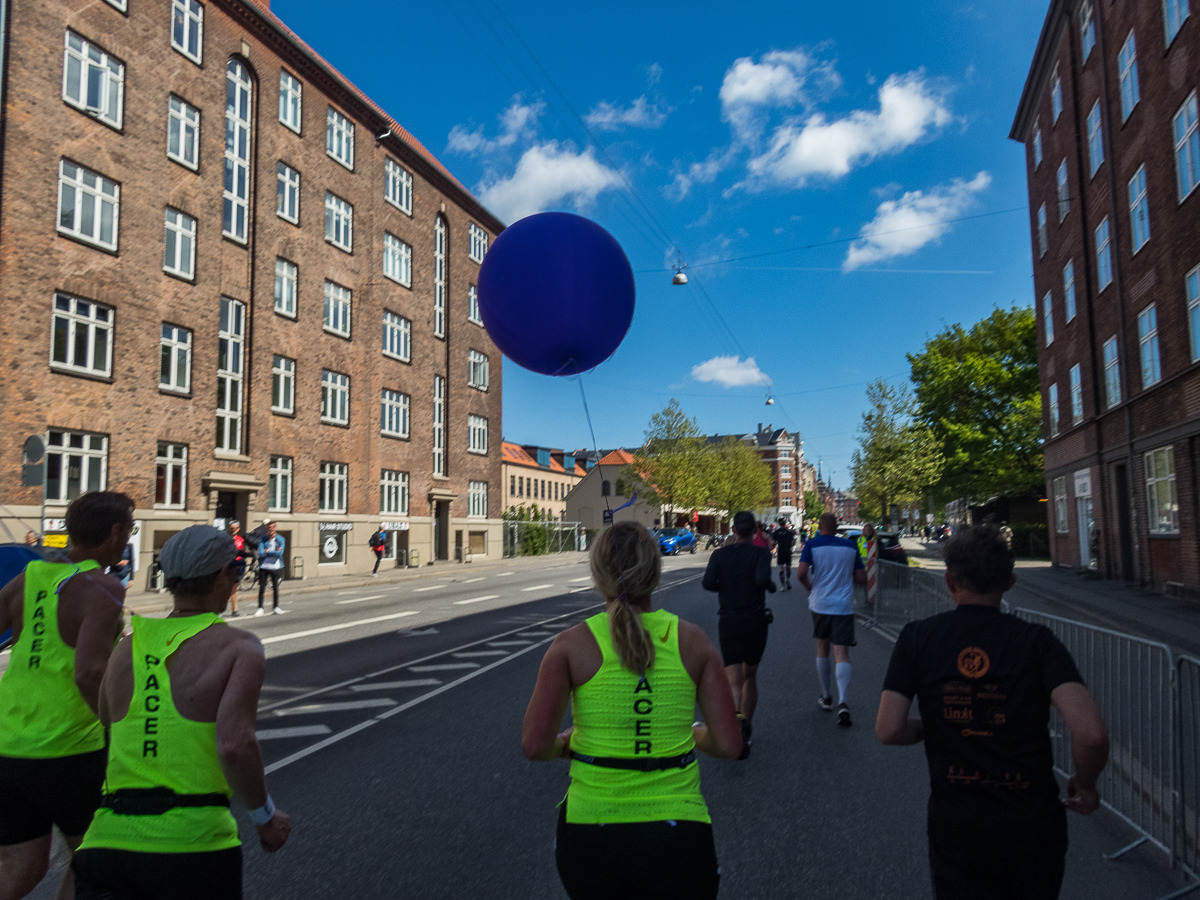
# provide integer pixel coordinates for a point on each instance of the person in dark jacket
(378, 544)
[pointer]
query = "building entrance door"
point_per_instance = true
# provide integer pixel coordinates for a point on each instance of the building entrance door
(1087, 524)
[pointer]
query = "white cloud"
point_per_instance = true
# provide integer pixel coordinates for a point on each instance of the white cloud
(548, 175)
(654, 74)
(698, 173)
(902, 227)
(909, 110)
(518, 121)
(640, 114)
(730, 371)
(782, 78)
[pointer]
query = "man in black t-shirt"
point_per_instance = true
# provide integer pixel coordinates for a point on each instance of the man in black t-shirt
(984, 682)
(784, 539)
(740, 574)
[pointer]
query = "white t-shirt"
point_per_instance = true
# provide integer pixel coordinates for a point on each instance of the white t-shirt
(831, 563)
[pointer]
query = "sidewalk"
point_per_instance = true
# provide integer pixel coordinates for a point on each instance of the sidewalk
(1108, 604)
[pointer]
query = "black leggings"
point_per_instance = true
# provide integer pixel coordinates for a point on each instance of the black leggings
(103, 874)
(632, 860)
(263, 575)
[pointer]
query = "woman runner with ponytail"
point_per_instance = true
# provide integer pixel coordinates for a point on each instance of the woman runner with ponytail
(634, 823)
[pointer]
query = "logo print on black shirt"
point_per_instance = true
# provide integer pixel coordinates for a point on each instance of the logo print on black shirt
(973, 662)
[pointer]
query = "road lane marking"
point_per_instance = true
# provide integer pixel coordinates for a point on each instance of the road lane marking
(468, 653)
(359, 599)
(536, 634)
(576, 580)
(389, 685)
(580, 590)
(536, 587)
(336, 706)
(311, 631)
(473, 580)
(504, 574)
(476, 599)
(509, 643)
(443, 667)
(270, 734)
(432, 587)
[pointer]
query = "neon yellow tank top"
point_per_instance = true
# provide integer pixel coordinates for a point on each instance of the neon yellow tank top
(617, 714)
(42, 713)
(155, 747)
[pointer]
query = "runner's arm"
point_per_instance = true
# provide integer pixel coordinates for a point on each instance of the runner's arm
(9, 594)
(892, 723)
(712, 575)
(802, 575)
(540, 740)
(99, 630)
(1089, 744)
(720, 735)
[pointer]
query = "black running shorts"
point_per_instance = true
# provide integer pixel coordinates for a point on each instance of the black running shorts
(743, 639)
(836, 629)
(1031, 870)
(665, 860)
(104, 874)
(783, 559)
(37, 794)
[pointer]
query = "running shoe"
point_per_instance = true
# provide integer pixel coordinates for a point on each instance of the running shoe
(843, 715)
(235, 614)
(260, 612)
(277, 611)
(826, 703)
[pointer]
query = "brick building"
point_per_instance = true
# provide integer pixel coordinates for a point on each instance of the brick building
(538, 476)
(1108, 118)
(234, 287)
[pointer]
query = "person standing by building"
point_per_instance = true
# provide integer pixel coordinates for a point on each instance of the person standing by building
(164, 830)
(829, 568)
(65, 617)
(239, 544)
(784, 540)
(634, 822)
(740, 574)
(270, 567)
(378, 544)
(31, 539)
(984, 682)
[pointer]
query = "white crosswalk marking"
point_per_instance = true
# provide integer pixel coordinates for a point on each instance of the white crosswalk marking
(443, 667)
(509, 643)
(468, 653)
(337, 706)
(389, 685)
(338, 627)
(270, 734)
(476, 599)
(537, 634)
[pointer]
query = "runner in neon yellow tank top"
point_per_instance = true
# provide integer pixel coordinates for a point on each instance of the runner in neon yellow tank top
(634, 822)
(66, 616)
(181, 697)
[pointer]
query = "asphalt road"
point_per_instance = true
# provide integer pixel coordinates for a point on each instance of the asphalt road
(390, 724)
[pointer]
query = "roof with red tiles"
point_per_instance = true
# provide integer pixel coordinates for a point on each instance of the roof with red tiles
(516, 455)
(618, 458)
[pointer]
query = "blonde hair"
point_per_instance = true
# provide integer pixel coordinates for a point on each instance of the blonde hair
(626, 565)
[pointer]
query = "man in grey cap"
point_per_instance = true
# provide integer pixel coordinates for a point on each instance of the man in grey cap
(182, 712)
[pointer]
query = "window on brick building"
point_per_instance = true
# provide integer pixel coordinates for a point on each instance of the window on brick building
(339, 138)
(1139, 209)
(183, 133)
(1162, 504)
(170, 479)
(785, 471)
(291, 100)
(283, 385)
(477, 370)
(1052, 409)
(333, 482)
(1095, 139)
(230, 342)
(1174, 12)
(238, 96)
(93, 81)
(337, 309)
(1064, 193)
(397, 337)
(478, 243)
(89, 206)
(81, 336)
(1056, 97)
(785, 486)
(477, 504)
(286, 278)
(279, 484)
(397, 185)
(1191, 284)
(339, 222)
(1076, 394)
(76, 462)
(1037, 147)
(187, 29)
(477, 434)
(1127, 65)
(1148, 345)
(1187, 147)
(335, 398)
(1048, 317)
(397, 259)
(393, 414)
(179, 244)
(1104, 270)
(287, 193)
(1042, 236)
(439, 277)
(175, 359)
(473, 314)
(1061, 525)
(1069, 289)
(439, 425)
(1087, 28)
(393, 492)
(1112, 373)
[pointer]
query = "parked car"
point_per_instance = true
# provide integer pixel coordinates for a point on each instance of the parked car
(889, 543)
(673, 540)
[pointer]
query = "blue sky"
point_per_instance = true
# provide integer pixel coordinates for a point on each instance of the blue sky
(698, 131)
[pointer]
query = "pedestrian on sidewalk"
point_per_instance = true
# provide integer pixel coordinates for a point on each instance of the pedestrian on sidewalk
(784, 539)
(65, 617)
(239, 543)
(984, 682)
(270, 567)
(634, 822)
(378, 544)
(740, 574)
(182, 712)
(830, 567)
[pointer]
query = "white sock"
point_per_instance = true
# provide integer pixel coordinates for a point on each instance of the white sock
(823, 672)
(843, 680)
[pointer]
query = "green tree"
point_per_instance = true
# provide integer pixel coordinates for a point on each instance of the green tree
(813, 507)
(898, 457)
(735, 477)
(668, 464)
(978, 392)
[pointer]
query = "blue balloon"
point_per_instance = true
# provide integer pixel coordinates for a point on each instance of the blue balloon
(556, 293)
(13, 560)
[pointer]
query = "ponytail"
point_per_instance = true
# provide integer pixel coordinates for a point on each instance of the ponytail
(626, 565)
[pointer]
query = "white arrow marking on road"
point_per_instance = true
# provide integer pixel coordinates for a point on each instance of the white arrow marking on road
(338, 706)
(443, 667)
(432, 587)
(359, 599)
(536, 587)
(476, 599)
(371, 621)
(575, 580)
(509, 643)
(388, 685)
(269, 734)
(469, 653)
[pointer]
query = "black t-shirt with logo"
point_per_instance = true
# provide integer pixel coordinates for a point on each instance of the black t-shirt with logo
(983, 680)
(784, 540)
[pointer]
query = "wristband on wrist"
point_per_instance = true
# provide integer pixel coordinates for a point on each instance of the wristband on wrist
(264, 813)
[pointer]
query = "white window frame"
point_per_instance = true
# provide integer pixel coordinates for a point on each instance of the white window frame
(1052, 409)
(236, 208)
(1175, 12)
(279, 484)
(397, 259)
(1186, 135)
(1148, 349)
(339, 222)
(397, 336)
(187, 22)
(171, 468)
(175, 355)
(439, 277)
(1056, 97)
(1048, 317)
(86, 326)
(80, 58)
(477, 499)
(397, 185)
(785, 486)
(283, 385)
(335, 398)
(1069, 289)
(338, 306)
(394, 413)
(1139, 209)
(1087, 28)
(333, 482)
(477, 370)
(291, 101)
(477, 435)
(1160, 480)
(1064, 192)
(1037, 148)
(339, 138)
(179, 244)
(231, 338)
(75, 450)
(1127, 67)
(478, 243)
(1061, 524)
(287, 278)
(439, 425)
(287, 193)
(1076, 377)
(393, 492)
(1104, 269)
(183, 131)
(86, 190)
(473, 314)
(118, 4)
(1095, 139)
(1112, 373)
(1191, 287)
(1042, 234)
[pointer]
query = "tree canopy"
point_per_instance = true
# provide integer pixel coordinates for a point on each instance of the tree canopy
(735, 477)
(668, 463)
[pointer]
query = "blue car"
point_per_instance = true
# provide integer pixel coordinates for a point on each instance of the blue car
(672, 540)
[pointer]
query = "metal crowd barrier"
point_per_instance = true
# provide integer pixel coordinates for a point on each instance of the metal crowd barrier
(1188, 719)
(906, 594)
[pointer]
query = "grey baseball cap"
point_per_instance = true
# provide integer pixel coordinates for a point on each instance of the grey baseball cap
(195, 551)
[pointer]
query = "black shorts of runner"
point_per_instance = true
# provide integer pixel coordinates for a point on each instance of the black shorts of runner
(783, 559)
(665, 860)
(743, 639)
(1029, 870)
(104, 874)
(37, 794)
(835, 629)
